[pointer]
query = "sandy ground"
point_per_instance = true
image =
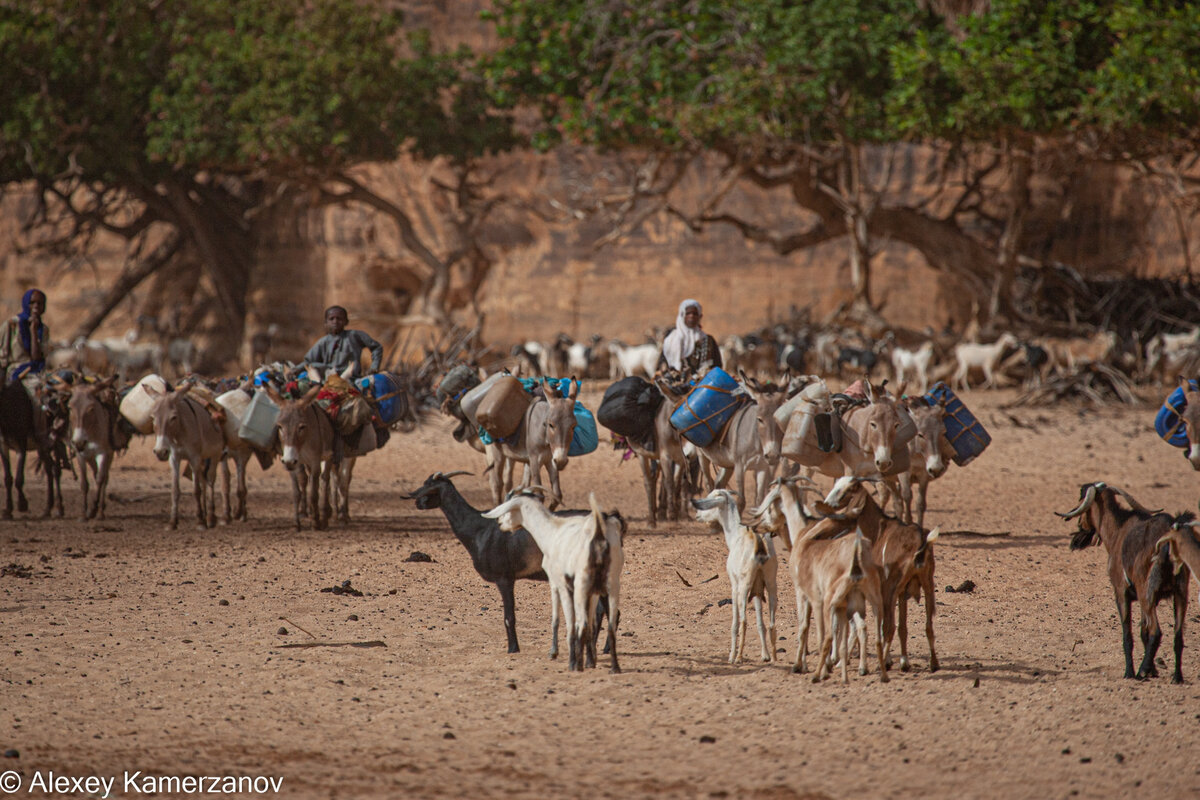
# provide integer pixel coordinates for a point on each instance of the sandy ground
(133, 648)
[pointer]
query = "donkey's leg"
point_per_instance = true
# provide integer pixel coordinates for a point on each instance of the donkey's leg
(299, 480)
(241, 460)
(81, 460)
(104, 467)
(326, 495)
(650, 481)
(228, 501)
(210, 488)
(8, 481)
(199, 481)
(344, 475)
(174, 489)
(22, 501)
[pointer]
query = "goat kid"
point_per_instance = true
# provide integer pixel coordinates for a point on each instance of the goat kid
(582, 556)
(837, 577)
(984, 357)
(753, 570)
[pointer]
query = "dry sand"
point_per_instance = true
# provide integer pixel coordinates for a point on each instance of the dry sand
(134, 648)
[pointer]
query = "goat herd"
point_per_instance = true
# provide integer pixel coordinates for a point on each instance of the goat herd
(854, 566)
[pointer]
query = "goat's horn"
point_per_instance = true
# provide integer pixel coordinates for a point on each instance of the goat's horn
(456, 473)
(1089, 497)
(1134, 504)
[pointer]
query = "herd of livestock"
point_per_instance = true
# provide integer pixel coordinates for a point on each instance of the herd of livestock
(854, 566)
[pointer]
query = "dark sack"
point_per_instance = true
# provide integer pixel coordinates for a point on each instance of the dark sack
(629, 407)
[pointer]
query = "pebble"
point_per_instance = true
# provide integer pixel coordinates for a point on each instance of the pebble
(282, 631)
(223, 603)
(12, 754)
(352, 618)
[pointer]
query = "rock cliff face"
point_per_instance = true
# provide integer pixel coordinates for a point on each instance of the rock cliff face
(548, 273)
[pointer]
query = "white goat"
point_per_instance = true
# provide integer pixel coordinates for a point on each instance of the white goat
(753, 571)
(582, 557)
(913, 361)
(627, 361)
(985, 357)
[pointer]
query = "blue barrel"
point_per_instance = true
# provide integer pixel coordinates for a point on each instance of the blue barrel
(703, 414)
(384, 388)
(1168, 423)
(966, 434)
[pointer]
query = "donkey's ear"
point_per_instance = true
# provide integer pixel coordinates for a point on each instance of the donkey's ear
(310, 396)
(574, 388)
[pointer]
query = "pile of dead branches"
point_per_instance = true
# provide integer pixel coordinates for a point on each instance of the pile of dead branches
(1065, 302)
(1096, 384)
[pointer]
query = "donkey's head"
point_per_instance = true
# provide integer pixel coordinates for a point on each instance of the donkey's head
(170, 428)
(560, 421)
(877, 425)
(930, 444)
(768, 398)
(89, 418)
(296, 426)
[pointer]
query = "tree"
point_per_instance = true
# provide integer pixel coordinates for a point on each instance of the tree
(820, 97)
(177, 124)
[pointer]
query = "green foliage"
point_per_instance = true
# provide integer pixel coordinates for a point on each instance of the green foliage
(1119, 70)
(776, 74)
(132, 91)
(704, 72)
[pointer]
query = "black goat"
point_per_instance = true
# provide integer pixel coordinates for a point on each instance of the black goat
(500, 558)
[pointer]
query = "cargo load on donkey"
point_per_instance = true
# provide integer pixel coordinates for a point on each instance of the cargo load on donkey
(629, 408)
(500, 403)
(357, 423)
(704, 413)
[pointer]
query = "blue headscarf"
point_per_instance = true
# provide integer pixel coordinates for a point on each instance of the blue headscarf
(23, 330)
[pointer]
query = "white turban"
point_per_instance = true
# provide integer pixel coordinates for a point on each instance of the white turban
(681, 342)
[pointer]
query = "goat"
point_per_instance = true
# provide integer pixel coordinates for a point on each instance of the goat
(1071, 354)
(916, 362)
(1182, 538)
(903, 550)
(752, 568)
(1139, 568)
(632, 360)
(984, 357)
(500, 558)
(130, 356)
(837, 576)
(582, 556)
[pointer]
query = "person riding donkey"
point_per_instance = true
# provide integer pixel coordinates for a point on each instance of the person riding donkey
(24, 339)
(339, 350)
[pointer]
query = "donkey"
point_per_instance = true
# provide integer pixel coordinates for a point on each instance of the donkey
(96, 437)
(929, 456)
(306, 435)
(667, 459)
(23, 426)
(1190, 417)
(751, 440)
(184, 429)
(869, 440)
(543, 439)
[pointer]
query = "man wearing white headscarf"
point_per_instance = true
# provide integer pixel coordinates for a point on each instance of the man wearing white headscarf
(688, 348)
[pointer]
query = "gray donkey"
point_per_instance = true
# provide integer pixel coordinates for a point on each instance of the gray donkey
(542, 440)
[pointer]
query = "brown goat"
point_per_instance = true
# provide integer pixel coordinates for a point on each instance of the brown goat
(1139, 568)
(904, 550)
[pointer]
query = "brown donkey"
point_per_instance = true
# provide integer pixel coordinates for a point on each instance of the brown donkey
(184, 429)
(96, 437)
